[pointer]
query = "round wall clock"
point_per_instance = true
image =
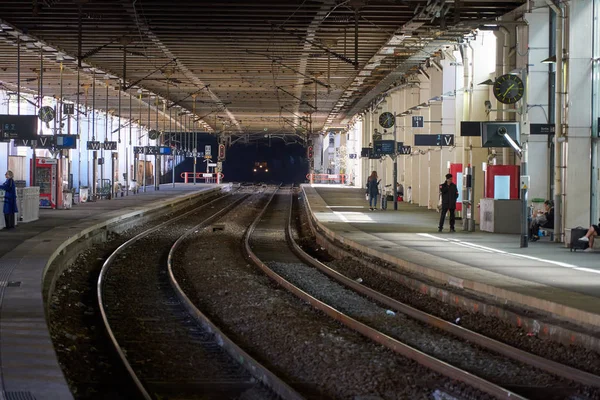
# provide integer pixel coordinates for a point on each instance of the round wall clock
(46, 114)
(153, 134)
(387, 120)
(508, 89)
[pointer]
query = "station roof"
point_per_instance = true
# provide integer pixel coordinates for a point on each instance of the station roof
(282, 67)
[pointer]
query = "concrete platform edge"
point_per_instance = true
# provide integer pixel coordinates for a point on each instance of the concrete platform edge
(38, 383)
(576, 316)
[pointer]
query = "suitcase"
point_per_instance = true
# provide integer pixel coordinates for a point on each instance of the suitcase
(576, 244)
(384, 202)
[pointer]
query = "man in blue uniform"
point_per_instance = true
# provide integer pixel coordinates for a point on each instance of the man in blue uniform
(10, 200)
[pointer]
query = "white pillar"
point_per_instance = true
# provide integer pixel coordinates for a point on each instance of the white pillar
(577, 187)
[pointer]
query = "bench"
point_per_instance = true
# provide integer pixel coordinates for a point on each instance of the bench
(549, 232)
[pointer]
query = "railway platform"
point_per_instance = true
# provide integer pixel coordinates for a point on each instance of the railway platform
(28, 362)
(545, 276)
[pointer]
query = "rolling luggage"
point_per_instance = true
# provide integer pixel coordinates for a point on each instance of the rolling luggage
(577, 244)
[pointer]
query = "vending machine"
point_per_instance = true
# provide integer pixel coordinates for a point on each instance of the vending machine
(46, 175)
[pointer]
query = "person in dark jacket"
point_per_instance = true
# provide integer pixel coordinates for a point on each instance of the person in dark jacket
(448, 194)
(10, 200)
(544, 219)
(373, 190)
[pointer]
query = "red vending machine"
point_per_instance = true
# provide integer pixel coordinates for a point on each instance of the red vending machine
(502, 182)
(457, 177)
(46, 175)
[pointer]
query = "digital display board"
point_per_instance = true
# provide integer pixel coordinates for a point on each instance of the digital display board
(164, 150)
(18, 127)
(66, 141)
(384, 147)
(365, 151)
(493, 134)
(470, 128)
(434, 140)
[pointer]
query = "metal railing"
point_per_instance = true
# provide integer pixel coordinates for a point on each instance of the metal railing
(206, 177)
(328, 178)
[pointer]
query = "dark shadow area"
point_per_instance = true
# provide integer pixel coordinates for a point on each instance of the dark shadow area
(275, 163)
(181, 142)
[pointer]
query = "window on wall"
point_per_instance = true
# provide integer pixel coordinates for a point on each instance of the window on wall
(487, 41)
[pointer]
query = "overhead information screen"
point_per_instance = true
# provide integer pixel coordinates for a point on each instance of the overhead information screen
(66, 141)
(384, 147)
(493, 134)
(18, 127)
(470, 128)
(434, 140)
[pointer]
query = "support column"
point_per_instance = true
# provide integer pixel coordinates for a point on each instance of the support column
(578, 115)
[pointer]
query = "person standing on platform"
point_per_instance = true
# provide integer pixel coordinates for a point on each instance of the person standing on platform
(373, 190)
(10, 200)
(448, 194)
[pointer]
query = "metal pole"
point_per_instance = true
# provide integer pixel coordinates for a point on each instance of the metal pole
(128, 172)
(395, 174)
(77, 132)
(472, 201)
(195, 147)
(105, 140)
(171, 136)
(113, 181)
(18, 74)
(156, 157)
(524, 190)
(95, 155)
(147, 142)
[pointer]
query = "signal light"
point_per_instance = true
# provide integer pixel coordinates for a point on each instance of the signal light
(221, 152)
(309, 152)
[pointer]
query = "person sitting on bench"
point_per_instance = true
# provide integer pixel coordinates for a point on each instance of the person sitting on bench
(544, 219)
(589, 237)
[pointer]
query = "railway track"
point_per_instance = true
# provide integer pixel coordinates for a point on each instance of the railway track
(483, 363)
(168, 351)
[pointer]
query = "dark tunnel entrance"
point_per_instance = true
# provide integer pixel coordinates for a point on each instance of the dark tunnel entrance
(259, 162)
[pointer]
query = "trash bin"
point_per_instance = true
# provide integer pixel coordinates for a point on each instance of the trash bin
(67, 199)
(83, 194)
(384, 202)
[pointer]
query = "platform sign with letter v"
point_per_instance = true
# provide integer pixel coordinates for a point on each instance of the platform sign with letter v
(447, 140)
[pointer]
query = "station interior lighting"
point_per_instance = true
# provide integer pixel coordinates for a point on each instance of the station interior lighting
(513, 144)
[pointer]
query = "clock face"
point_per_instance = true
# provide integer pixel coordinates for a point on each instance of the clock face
(46, 114)
(508, 89)
(387, 120)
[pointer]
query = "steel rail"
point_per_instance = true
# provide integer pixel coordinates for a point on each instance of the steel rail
(102, 277)
(254, 367)
(514, 353)
(418, 356)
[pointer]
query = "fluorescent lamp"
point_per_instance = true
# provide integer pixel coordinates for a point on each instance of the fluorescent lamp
(513, 144)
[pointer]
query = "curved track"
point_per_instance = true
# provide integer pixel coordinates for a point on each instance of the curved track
(499, 381)
(167, 351)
